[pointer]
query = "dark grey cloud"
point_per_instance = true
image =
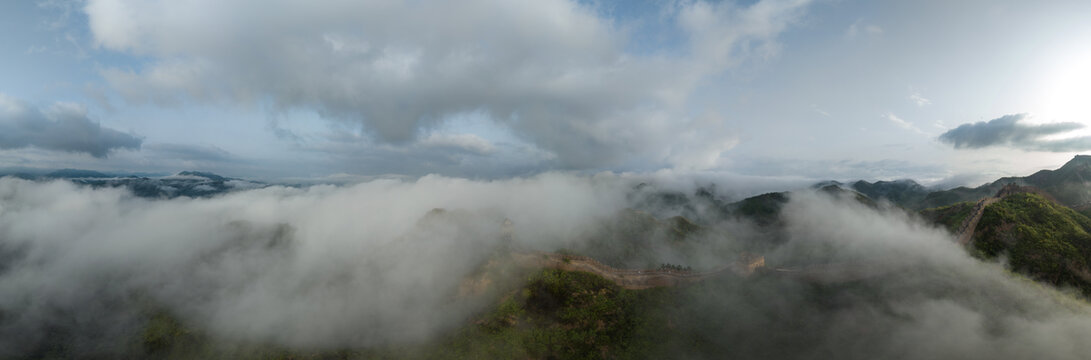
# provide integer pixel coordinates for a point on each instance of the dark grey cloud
(62, 127)
(820, 169)
(189, 152)
(1009, 131)
(442, 153)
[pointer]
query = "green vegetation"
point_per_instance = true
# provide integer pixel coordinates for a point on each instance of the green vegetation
(674, 267)
(1066, 185)
(1042, 239)
(165, 337)
(957, 195)
(163, 333)
(682, 227)
(558, 314)
(950, 216)
(635, 239)
(763, 209)
(555, 314)
(906, 193)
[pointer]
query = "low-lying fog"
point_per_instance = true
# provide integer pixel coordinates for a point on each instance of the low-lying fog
(359, 265)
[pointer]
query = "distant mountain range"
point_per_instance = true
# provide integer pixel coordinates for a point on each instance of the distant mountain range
(1070, 185)
(1031, 221)
(1040, 223)
(182, 184)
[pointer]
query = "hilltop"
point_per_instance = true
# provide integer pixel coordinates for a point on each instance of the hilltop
(1037, 235)
(1038, 223)
(905, 192)
(1070, 185)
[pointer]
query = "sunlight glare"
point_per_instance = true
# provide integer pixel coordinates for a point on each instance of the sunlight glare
(1067, 95)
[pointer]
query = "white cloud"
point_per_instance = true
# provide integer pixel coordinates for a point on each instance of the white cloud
(722, 31)
(372, 264)
(321, 266)
(553, 71)
(860, 28)
(902, 123)
(920, 100)
(35, 49)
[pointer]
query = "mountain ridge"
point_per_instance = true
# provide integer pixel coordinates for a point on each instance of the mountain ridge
(1070, 185)
(187, 183)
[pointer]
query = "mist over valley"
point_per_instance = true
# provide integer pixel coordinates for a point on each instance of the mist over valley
(546, 179)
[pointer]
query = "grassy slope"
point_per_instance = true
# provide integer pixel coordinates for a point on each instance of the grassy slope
(905, 193)
(957, 195)
(550, 314)
(950, 216)
(555, 314)
(763, 209)
(574, 315)
(1042, 239)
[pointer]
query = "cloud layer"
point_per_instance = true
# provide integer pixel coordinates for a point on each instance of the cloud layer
(323, 266)
(189, 152)
(1010, 131)
(373, 263)
(61, 127)
(555, 72)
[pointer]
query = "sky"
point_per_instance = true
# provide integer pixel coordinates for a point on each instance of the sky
(948, 93)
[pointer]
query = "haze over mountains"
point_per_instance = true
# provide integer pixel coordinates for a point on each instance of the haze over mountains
(546, 179)
(182, 184)
(1066, 184)
(430, 268)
